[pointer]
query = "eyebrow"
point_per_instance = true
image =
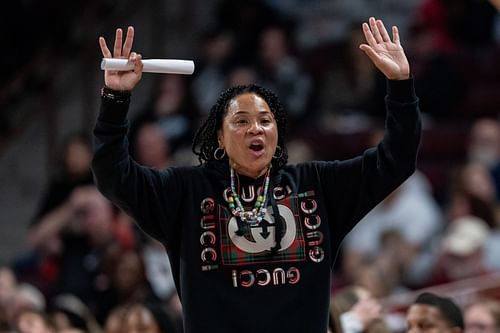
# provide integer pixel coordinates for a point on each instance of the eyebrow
(245, 111)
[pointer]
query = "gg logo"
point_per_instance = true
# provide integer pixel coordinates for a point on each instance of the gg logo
(261, 237)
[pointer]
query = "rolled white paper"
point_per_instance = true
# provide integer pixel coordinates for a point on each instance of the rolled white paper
(167, 66)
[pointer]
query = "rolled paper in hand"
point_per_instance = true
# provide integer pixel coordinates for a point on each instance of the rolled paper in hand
(166, 66)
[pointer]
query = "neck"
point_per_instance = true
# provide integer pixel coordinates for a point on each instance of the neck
(249, 173)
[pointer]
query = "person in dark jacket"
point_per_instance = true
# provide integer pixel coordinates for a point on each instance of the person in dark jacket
(251, 239)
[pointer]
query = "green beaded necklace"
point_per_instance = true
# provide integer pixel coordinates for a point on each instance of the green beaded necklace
(254, 216)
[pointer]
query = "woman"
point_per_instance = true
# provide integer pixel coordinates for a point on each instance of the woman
(252, 240)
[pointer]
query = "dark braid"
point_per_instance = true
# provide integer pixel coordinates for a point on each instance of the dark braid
(205, 140)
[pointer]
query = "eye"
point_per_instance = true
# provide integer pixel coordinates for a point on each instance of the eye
(266, 121)
(241, 121)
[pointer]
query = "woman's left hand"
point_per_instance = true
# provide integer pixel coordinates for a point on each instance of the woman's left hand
(387, 55)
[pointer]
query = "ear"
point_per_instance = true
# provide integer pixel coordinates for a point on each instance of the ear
(220, 138)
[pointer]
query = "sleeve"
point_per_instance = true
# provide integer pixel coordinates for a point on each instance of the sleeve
(151, 197)
(354, 187)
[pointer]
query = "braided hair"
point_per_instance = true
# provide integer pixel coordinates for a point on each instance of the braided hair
(205, 141)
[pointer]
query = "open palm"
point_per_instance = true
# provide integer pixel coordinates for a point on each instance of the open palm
(387, 55)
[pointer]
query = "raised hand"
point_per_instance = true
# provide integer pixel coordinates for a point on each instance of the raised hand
(122, 80)
(388, 56)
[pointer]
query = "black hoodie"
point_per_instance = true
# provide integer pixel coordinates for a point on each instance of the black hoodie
(232, 283)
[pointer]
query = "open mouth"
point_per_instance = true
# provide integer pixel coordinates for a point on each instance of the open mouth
(257, 147)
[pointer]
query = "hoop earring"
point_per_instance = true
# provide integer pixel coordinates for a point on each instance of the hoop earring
(278, 148)
(217, 155)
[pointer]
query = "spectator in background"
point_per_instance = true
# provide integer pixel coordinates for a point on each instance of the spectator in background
(462, 251)
(40, 265)
(242, 75)
(381, 278)
(325, 22)
(436, 74)
(482, 316)
(431, 313)
(68, 312)
(8, 284)
(351, 85)
(140, 317)
(27, 298)
(470, 22)
(484, 147)
(129, 282)
(460, 23)
(172, 108)
(483, 144)
(472, 192)
(396, 237)
(114, 320)
(72, 170)
(210, 75)
(150, 147)
(33, 321)
(282, 73)
(246, 20)
(90, 231)
(158, 269)
(354, 310)
(456, 62)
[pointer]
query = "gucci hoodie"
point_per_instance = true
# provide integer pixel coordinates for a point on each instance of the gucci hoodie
(273, 276)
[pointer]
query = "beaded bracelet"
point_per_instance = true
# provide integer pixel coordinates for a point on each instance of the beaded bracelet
(117, 96)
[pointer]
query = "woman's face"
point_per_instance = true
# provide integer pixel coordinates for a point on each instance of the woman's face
(249, 135)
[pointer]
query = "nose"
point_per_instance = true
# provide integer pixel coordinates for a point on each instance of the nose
(255, 128)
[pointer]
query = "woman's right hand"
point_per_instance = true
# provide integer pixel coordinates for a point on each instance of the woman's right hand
(122, 80)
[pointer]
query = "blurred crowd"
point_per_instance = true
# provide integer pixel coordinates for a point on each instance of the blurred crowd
(90, 269)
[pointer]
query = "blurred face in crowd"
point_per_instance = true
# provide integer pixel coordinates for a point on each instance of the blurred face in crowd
(478, 181)
(171, 95)
(130, 273)
(78, 157)
(249, 135)
(140, 320)
(273, 47)
(241, 76)
(95, 214)
(152, 147)
(484, 142)
(7, 285)
(115, 321)
(423, 318)
(32, 322)
(478, 319)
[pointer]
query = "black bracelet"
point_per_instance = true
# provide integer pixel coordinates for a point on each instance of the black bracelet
(117, 96)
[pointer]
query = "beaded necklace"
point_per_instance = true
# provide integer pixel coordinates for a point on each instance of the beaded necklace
(254, 216)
